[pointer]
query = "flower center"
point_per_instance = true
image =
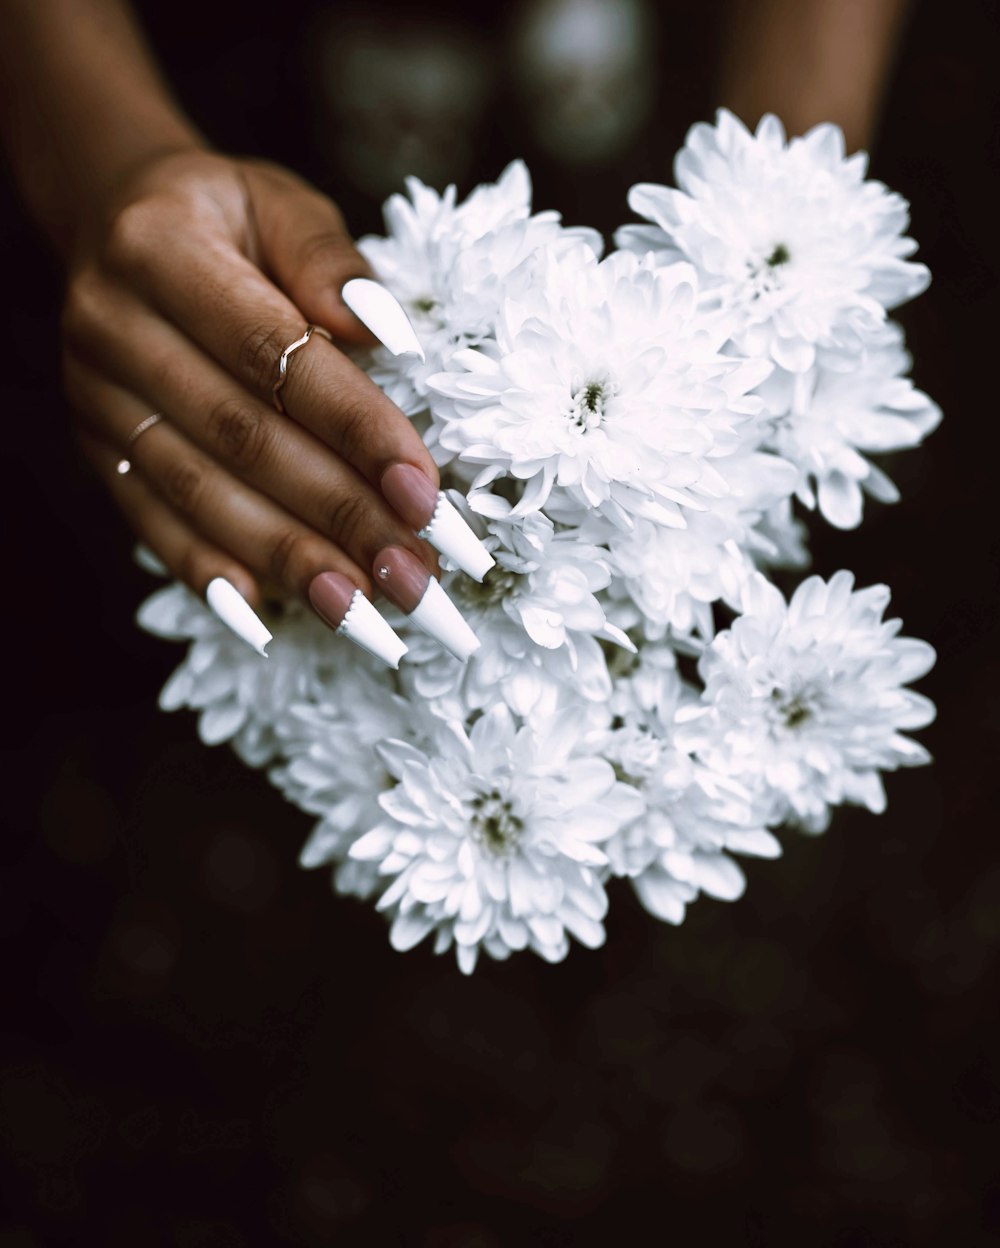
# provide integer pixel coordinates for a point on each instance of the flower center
(589, 402)
(765, 275)
(792, 711)
(497, 585)
(494, 825)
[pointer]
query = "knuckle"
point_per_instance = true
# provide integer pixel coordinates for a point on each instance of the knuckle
(238, 432)
(130, 235)
(81, 307)
(182, 486)
(295, 558)
(285, 558)
(259, 350)
(355, 424)
(346, 513)
(331, 247)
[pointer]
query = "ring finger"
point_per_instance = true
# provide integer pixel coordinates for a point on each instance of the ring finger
(273, 453)
(254, 530)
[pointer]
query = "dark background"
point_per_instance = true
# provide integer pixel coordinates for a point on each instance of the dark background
(204, 1048)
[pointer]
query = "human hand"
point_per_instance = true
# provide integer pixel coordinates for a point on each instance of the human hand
(183, 294)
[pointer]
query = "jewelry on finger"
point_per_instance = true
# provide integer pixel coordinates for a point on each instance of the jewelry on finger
(286, 355)
(125, 464)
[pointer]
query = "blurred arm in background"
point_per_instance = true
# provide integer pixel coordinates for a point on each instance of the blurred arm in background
(810, 61)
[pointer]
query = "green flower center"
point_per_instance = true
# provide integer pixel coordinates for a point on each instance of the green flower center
(589, 402)
(494, 825)
(497, 585)
(793, 711)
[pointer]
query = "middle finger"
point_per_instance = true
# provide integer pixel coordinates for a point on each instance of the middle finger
(270, 452)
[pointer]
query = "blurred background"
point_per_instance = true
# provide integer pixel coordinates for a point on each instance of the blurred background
(203, 1047)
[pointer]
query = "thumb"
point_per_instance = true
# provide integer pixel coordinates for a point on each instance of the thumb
(305, 248)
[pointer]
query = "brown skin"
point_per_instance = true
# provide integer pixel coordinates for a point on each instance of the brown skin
(189, 272)
(168, 309)
(810, 61)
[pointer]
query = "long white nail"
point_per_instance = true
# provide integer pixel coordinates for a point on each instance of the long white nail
(438, 616)
(448, 533)
(236, 613)
(348, 612)
(382, 312)
(366, 628)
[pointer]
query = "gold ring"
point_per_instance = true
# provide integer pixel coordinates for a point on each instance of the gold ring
(286, 355)
(125, 464)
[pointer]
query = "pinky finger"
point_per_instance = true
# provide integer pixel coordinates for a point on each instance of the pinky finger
(216, 577)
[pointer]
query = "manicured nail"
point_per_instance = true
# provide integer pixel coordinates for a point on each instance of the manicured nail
(236, 613)
(382, 312)
(411, 493)
(407, 583)
(348, 612)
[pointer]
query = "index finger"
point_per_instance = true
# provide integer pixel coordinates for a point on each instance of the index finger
(225, 303)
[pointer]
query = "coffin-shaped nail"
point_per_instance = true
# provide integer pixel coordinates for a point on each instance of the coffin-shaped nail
(410, 492)
(236, 613)
(407, 583)
(382, 312)
(348, 612)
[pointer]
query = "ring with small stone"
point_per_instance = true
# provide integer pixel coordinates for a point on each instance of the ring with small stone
(286, 355)
(125, 464)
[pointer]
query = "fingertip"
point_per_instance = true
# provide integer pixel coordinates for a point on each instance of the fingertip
(244, 584)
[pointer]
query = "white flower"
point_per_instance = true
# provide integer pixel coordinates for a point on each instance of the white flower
(604, 390)
(789, 238)
(824, 419)
(805, 701)
(492, 839)
(538, 618)
(330, 768)
(673, 576)
(692, 816)
(240, 697)
(451, 266)
(779, 539)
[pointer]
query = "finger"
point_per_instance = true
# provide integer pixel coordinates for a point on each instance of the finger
(224, 303)
(153, 360)
(253, 529)
(188, 557)
(305, 246)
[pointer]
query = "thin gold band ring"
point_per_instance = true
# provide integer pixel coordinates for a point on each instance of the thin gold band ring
(286, 355)
(125, 464)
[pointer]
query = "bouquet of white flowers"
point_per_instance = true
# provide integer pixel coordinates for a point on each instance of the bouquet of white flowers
(627, 435)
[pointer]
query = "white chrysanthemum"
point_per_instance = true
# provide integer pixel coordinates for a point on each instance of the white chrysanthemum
(673, 576)
(452, 265)
(823, 420)
(330, 768)
(805, 701)
(604, 390)
(492, 839)
(788, 238)
(779, 539)
(240, 697)
(538, 617)
(692, 816)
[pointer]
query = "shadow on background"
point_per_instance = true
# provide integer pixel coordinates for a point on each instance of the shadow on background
(204, 1048)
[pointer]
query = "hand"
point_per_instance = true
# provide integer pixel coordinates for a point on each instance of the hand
(182, 296)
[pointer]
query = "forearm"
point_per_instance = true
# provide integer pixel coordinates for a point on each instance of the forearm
(81, 104)
(811, 61)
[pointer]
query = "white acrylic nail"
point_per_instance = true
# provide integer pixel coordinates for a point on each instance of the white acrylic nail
(382, 312)
(366, 628)
(438, 616)
(236, 613)
(449, 534)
